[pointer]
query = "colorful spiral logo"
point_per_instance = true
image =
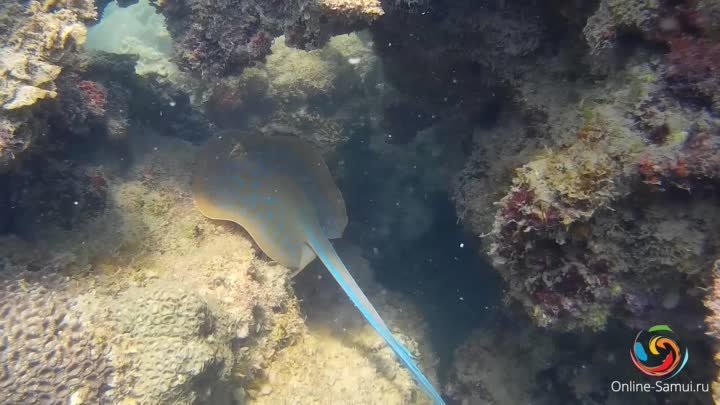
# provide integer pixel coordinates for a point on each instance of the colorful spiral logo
(658, 353)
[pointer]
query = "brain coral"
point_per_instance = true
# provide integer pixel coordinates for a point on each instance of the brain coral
(63, 367)
(158, 336)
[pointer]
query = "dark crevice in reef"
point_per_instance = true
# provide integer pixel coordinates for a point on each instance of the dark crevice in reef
(452, 286)
(433, 272)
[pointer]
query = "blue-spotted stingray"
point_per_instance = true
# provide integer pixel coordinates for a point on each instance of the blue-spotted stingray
(279, 189)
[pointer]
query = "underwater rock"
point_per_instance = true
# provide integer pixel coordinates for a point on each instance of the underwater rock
(501, 368)
(215, 39)
(37, 40)
(561, 234)
(456, 57)
(322, 96)
(101, 4)
(46, 193)
(146, 99)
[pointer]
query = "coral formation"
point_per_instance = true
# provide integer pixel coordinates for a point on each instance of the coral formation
(560, 233)
(596, 167)
(187, 311)
(487, 360)
(309, 94)
(38, 37)
(222, 38)
(49, 355)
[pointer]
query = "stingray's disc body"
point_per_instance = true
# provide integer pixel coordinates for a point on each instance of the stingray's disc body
(276, 187)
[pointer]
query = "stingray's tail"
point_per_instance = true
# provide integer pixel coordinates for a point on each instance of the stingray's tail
(325, 251)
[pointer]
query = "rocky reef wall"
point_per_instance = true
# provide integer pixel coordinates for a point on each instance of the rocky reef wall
(578, 141)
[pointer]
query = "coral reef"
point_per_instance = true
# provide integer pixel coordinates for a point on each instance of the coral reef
(488, 359)
(49, 355)
(560, 234)
(577, 169)
(322, 95)
(222, 38)
(183, 306)
(37, 39)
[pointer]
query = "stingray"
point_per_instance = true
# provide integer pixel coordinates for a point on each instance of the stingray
(280, 191)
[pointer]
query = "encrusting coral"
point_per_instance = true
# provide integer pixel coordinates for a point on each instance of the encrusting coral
(560, 235)
(37, 39)
(487, 359)
(593, 192)
(222, 38)
(323, 95)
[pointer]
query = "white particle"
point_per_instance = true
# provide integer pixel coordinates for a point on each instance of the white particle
(462, 299)
(76, 203)
(155, 149)
(354, 61)
(462, 245)
(172, 103)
